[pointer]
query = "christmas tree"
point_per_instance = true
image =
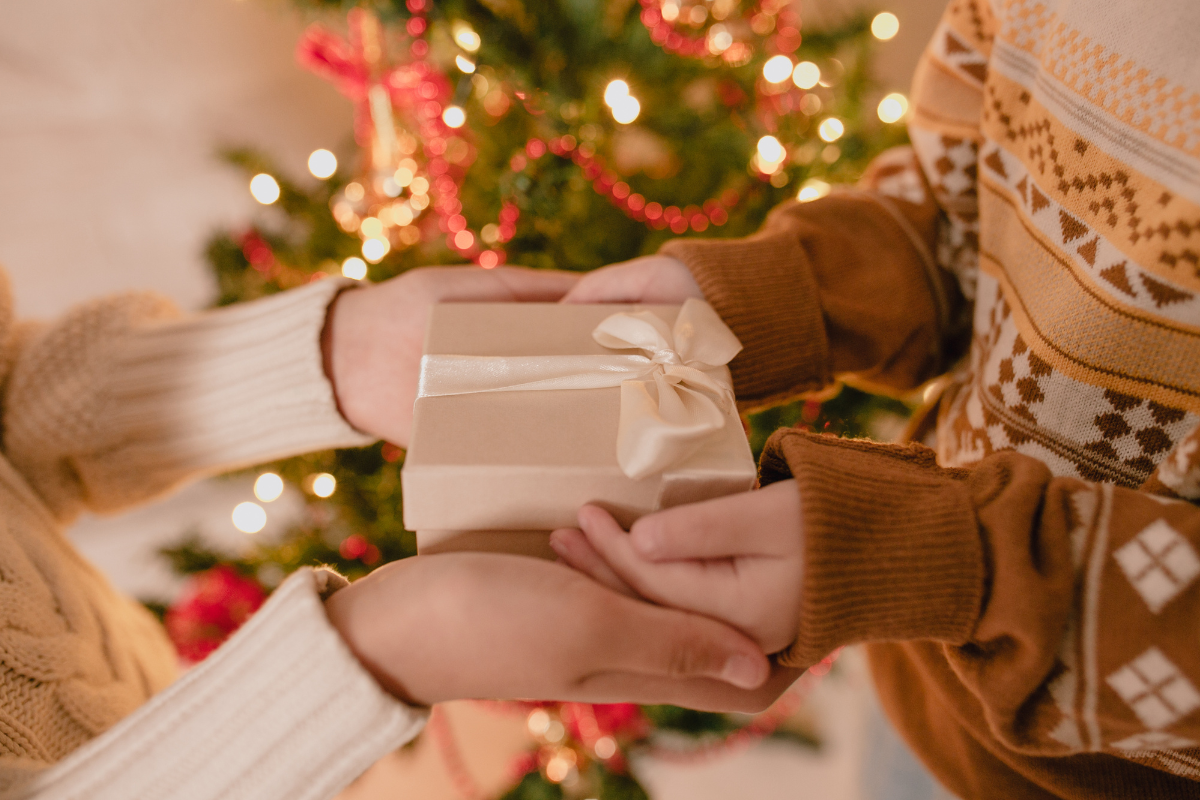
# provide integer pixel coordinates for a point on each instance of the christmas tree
(553, 134)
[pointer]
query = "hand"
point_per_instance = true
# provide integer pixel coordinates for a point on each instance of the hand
(738, 559)
(650, 279)
(476, 625)
(374, 335)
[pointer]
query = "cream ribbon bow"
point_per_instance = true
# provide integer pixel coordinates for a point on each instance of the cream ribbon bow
(672, 398)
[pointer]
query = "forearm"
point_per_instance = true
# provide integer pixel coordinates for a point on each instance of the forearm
(844, 284)
(155, 400)
(282, 711)
(1018, 576)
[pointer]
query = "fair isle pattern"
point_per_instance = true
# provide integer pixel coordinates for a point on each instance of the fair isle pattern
(1149, 224)
(1110, 270)
(1072, 205)
(1133, 94)
(1014, 400)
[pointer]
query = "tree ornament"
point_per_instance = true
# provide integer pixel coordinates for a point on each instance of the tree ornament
(401, 122)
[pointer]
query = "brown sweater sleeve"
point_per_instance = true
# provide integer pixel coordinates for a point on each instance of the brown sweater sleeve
(1057, 616)
(843, 284)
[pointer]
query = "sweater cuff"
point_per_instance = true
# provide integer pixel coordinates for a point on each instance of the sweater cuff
(282, 711)
(892, 548)
(765, 290)
(237, 386)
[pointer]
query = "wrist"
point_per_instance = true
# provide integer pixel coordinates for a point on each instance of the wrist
(371, 635)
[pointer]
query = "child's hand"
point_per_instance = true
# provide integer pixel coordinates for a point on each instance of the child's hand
(476, 625)
(650, 279)
(374, 336)
(737, 559)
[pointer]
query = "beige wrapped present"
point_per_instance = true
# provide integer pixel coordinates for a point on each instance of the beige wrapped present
(528, 411)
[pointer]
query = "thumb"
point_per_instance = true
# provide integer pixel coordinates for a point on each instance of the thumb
(678, 645)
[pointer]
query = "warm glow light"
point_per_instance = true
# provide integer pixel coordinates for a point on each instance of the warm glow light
(375, 249)
(264, 188)
(372, 228)
(354, 268)
(777, 69)
(403, 176)
(719, 39)
(831, 129)
(249, 517)
(626, 109)
(420, 186)
(893, 107)
(605, 747)
(322, 163)
(615, 91)
(538, 722)
(268, 487)
(806, 75)
(464, 64)
(454, 116)
(811, 189)
(464, 239)
(323, 484)
(885, 25)
(770, 150)
(466, 38)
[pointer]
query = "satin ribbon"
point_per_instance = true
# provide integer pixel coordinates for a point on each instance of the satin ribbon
(673, 396)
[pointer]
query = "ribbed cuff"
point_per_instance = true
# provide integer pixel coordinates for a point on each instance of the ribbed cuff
(892, 547)
(237, 386)
(764, 289)
(282, 711)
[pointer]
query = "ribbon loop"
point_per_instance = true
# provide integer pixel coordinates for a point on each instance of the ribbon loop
(674, 395)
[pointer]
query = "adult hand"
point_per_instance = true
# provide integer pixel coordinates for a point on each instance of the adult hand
(374, 335)
(650, 279)
(738, 559)
(477, 625)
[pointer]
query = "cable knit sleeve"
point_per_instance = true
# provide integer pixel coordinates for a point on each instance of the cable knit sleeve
(124, 398)
(282, 711)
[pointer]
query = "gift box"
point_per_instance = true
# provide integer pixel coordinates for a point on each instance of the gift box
(528, 411)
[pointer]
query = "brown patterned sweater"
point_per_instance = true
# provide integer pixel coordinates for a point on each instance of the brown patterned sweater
(1030, 590)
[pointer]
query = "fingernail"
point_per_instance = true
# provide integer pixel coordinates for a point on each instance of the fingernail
(743, 671)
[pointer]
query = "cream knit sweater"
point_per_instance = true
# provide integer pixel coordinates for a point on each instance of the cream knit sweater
(116, 403)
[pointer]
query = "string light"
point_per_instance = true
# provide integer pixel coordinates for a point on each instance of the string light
(374, 250)
(624, 106)
(806, 75)
(831, 129)
(465, 37)
(465, 64)
(249, 517)
(322, 484)
(719, 39)
(626, 109)
(770, 150)
(322, 163)
(264, 188)
(354, 268)
(885, 26)
(777, 69)
(268, 487)
(811, 189)
(893, 107)
(605, 748)
(372, 228)
(614, 91)
(454, 116)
